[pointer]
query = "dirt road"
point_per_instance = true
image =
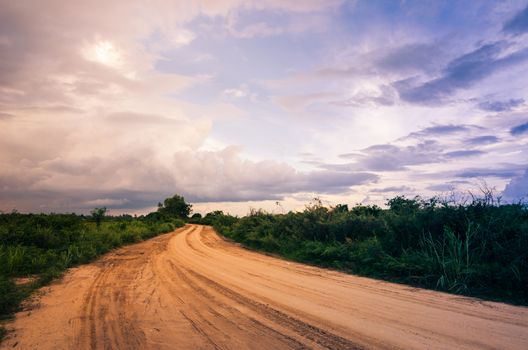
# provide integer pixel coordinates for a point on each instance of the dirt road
(190, 289)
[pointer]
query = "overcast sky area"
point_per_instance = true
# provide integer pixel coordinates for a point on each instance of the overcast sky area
(237, 104)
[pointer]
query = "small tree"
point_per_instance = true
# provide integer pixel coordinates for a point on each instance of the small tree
(340, 208)
(175, 207)
(98, 214)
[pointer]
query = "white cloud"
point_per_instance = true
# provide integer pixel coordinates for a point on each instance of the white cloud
(103, 52)
(101, 202)
(240, 92)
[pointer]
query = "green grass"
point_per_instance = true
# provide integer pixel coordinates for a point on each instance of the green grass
(475, 249)
(45, 245)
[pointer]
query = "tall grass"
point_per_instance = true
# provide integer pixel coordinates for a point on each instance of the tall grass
(43, 246)
(477, 248)
(453, 259)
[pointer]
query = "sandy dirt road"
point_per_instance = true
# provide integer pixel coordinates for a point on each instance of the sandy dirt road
(190, 289)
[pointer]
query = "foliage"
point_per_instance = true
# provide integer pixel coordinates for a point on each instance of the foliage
(8, 293)
(175, 207)
(43, 245)
(98, 215)
(478, 248)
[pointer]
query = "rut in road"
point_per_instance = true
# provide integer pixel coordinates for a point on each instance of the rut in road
(191, 289)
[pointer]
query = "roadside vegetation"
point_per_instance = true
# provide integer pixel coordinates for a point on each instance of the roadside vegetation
(477, 248)
(36, 248)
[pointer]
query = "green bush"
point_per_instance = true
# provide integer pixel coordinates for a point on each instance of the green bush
(479, 248)
(9, 297)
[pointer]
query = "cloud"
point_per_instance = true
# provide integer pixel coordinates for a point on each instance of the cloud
(441, 187)
(224, 176)
(482, 140)
(305, 23)
(133, 118)
(443, 150)
(78, 201)
(464, 153)
(439, 130)
(240, 92)
(501, 106)
(139, 179)
(384, 96)
(120, 104)
(106, 202)
(518, 24)
(505, 173)
(260, 29)
(295, 103)
(306, 154)
(463, 72)
(519, 129)
(293, 18)
(397, 189)
(410, 57)
(388, 157)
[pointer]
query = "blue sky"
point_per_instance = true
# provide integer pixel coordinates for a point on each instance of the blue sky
(240, 104)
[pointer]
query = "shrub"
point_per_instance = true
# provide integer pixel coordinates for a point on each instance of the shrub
(478, 248)
(9, 297)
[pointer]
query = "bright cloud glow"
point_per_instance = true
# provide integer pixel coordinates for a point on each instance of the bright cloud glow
(104, 52)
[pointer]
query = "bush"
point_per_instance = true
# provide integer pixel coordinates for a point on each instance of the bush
(9, 297)
(479, 248)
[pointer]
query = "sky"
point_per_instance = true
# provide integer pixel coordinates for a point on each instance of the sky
(259, 104)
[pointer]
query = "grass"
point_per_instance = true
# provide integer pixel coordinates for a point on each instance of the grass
(477, 249)
(45, 245)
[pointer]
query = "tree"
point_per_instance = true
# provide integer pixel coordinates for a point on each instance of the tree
(98, 214)
(175, 207)
(340, 208)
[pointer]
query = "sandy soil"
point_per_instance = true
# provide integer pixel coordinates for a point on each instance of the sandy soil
(190, 289)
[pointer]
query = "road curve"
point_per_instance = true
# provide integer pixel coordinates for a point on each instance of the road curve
(191, 289)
